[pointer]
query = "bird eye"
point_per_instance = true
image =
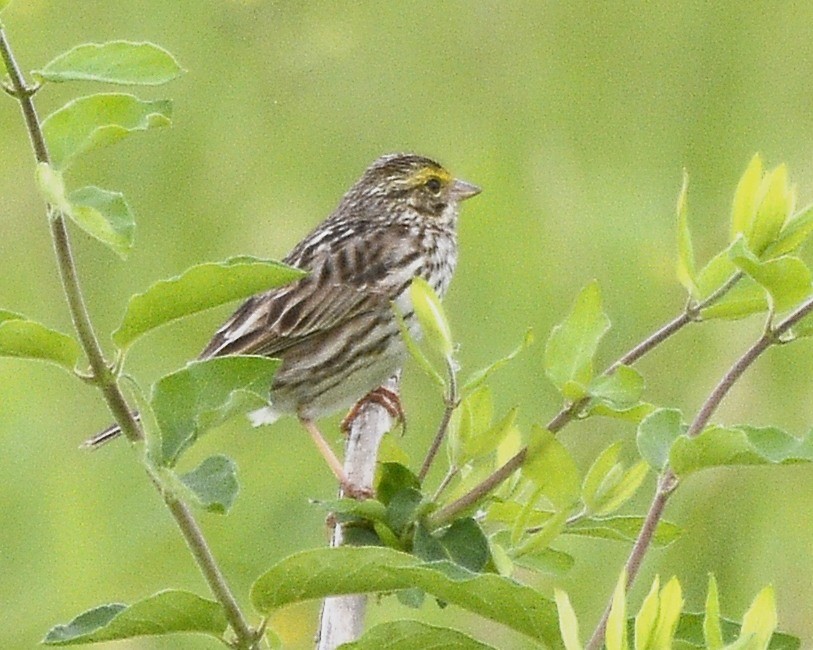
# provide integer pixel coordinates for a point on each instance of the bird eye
(433, 185)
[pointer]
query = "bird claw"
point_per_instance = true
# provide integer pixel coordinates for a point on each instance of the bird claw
(387, 399)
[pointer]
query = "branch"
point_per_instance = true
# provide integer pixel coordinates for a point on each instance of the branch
(451, 402)
(572, 410)
(669, 481)
(342, 617)
(103, 375)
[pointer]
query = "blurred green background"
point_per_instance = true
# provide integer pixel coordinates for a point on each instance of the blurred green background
(576, 118)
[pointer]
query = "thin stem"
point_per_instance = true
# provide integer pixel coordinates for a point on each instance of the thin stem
(445, 483)
(669, 480)
(452, 400)
(211, 571)
(104, 377)
(572, 410)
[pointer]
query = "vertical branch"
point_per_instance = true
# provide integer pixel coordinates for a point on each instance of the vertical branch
(342, 617)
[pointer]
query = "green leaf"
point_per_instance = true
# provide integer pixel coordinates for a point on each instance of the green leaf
(408, 635)
(686, 271)
(551, 467)
(479, 376)
(634, 414)
(647, 619)
(671, 604)
(712, 632)
(541, 539)
(322, 572)
(744, 206)
(205, 394)
(621, 389)
(760, 619)
(656, 435)
(214, 483)
(715, 273)
(485, 442)
(394, 477)
(432, 317)
(743, 445)
(573, 343)
(96, 121)
(51, 186)
(475, 413)
(27, 339)
(462, 543)
(166, 612)
(199, 288)
(5, 315)
(619, 492)
(786, 279)
(744, 299)
(616, 631)
(597, 474)
(116, 62)
(546, 560)
(415, 350)
(690, 633)
(797, 229)
(104, 215)
(623, 529)
(568, 623)
(776, 203)
(402, 509)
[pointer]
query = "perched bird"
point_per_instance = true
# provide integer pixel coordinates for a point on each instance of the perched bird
(335, 329)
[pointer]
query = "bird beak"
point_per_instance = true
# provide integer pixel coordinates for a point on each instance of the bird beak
(461, 190)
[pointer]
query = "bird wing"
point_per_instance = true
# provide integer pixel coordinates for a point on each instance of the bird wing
(345, 281)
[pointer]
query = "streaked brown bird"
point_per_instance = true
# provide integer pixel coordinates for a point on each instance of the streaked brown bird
(335, 329)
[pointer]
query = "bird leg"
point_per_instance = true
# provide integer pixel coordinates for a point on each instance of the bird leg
(386, 399)
(351, 490)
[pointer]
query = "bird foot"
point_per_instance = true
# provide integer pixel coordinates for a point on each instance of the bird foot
(387, 399)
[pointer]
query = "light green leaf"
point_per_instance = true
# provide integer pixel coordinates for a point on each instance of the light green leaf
(548, 561)
(475, 415)
(479, 376)
(715, 273)
(568, 623)
(744, 299)
(415, 350)
(551, 467)
(104, 215)
(776, 203)
(96, 121)
(760, 619)
(199, 288)
(743, 445)
(623, 529)
(27, 339)
(542, 538)
(647, 619)
(213, 483)
(690, 634)
(656, 435)
(786, 279)
(487, 441)
(745, 198)
(5, 315)
(634, 414)
(597, 474)
(51, 186)
(206, 393)
(318, 573)
(408, 635)
(671, 604)
(116, 62)
(573, 343)
(622, 389)
(686, 270)
(615, 636)
(620, 492)
(431, 316)
(797, 229)
(166, 612)
(712, 632)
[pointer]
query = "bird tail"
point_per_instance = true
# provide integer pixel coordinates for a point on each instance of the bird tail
(110, 433)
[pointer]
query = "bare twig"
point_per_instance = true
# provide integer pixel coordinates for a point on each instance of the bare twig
(342, 617)
(451, 401)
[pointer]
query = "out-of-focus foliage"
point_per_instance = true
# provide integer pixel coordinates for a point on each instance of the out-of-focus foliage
(576, 119)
